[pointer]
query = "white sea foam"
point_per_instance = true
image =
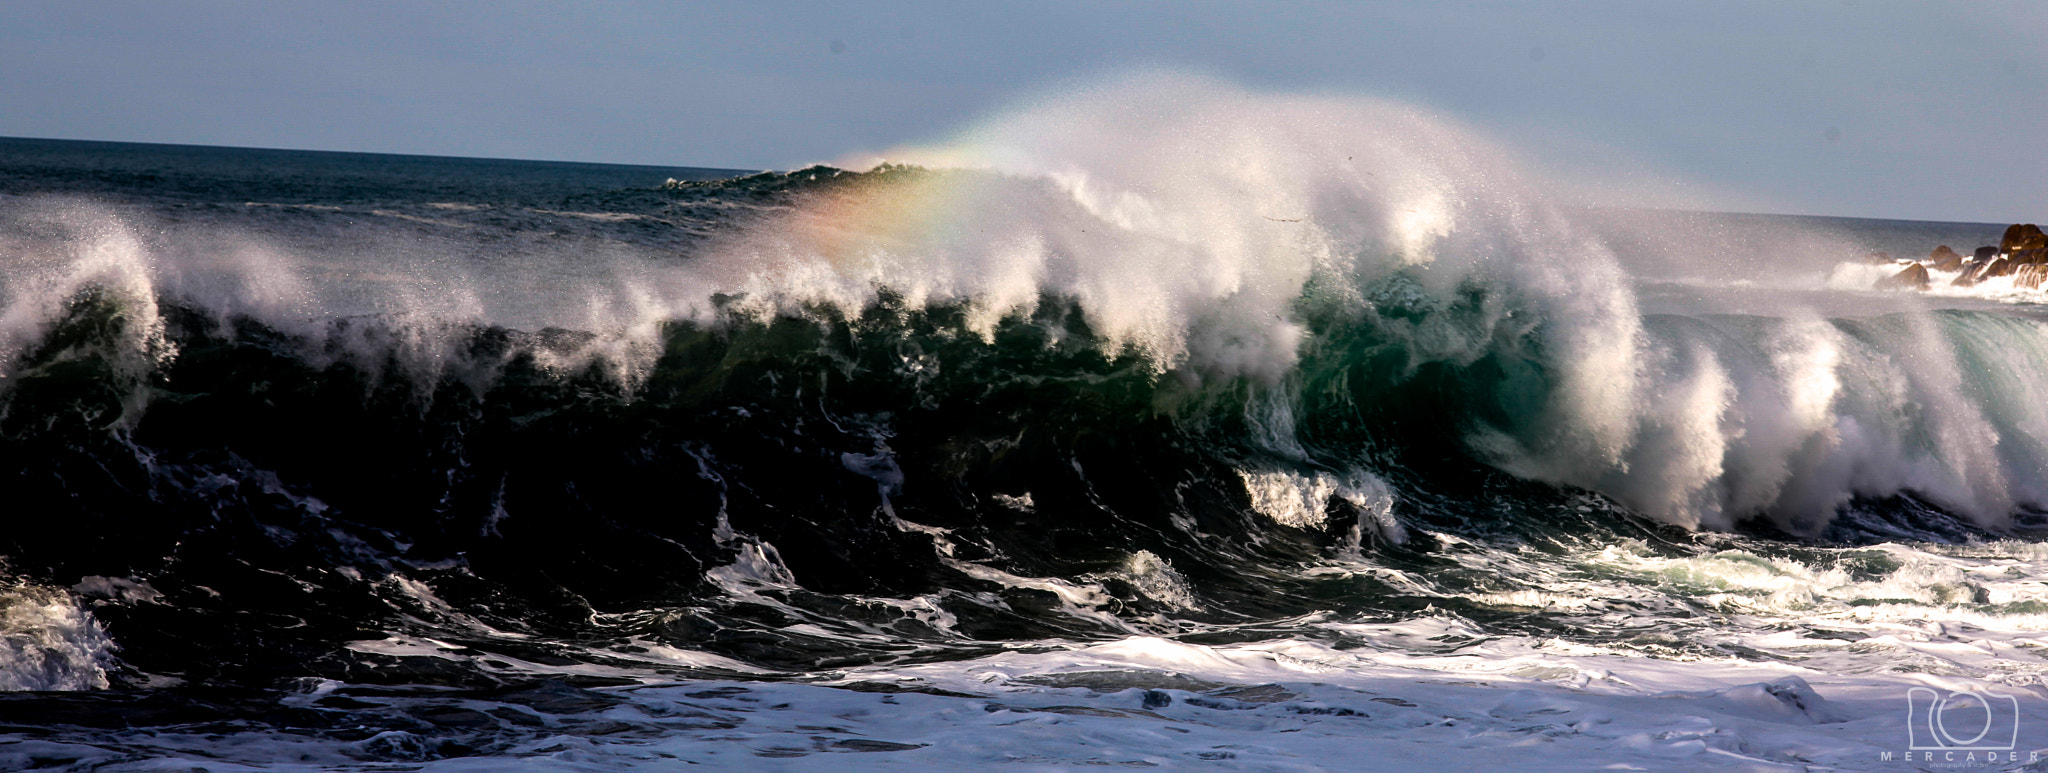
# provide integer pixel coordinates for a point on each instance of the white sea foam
(1513, 702)
(1304, 500)
(1791, 663)
(1155, 577)
(49, 641)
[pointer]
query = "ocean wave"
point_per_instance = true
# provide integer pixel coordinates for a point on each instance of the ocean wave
(1146, 360)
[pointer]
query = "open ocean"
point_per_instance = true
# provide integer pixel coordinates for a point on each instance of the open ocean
(1301, 434)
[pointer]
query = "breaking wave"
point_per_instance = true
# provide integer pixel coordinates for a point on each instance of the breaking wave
(1123, 362)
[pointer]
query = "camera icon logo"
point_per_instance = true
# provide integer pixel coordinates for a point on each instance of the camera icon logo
(1966, 720)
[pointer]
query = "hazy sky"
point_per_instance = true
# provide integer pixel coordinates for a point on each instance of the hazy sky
(1883, 109)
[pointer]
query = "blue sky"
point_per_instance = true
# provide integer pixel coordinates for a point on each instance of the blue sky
(1883, 109)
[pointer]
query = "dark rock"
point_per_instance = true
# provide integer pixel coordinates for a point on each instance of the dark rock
(1913, 277)
(2022, 236)
(1985, 263)
(1972, 273)
(1944, 259)
(2031, 256)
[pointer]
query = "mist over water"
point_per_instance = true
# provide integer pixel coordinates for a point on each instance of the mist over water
(1159, 358)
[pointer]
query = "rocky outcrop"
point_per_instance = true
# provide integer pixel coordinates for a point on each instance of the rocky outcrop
(1913, 277)
(2007, 265)
(1972, 273)
(1997, 268)
(1944, 259)
(2021, 254)
(1973, 269)
(2022, 236)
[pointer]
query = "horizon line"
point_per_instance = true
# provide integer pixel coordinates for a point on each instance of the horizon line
(739, 170)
